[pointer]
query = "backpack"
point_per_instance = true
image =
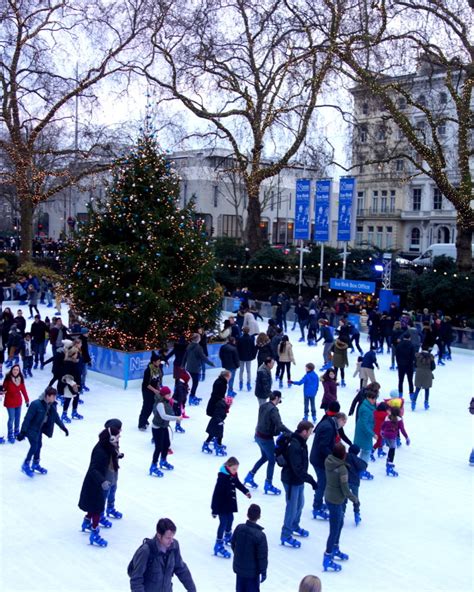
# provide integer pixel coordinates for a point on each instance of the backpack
(153, 553)
(281, 449)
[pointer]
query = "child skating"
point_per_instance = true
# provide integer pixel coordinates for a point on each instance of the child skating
(390, 431)
(310, 382)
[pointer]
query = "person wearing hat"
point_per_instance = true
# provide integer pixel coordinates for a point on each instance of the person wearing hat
(180, 396)
(327, 335)
(192, 362)
(86, 360)
(162, 415)
(112, 478)
(151, 384)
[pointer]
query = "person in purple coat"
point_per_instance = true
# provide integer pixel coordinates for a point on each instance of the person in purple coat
(328, 380)
(390, 432)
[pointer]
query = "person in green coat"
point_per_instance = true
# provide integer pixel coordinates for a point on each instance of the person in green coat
(364, 431)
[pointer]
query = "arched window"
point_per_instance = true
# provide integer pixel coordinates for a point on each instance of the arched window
(443, 234)
(415, 239)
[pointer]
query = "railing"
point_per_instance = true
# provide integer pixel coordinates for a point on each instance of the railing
(379, 213)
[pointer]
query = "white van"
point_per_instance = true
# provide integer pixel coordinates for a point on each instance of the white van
(446, 249)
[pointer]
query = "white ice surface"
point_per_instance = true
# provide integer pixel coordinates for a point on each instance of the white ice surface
(416, 530)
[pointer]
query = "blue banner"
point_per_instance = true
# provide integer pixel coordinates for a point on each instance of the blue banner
(302, 209)
(352, 285)
(321, 211)
(344, 218)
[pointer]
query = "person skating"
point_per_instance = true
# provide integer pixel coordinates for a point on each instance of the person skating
(425, 366)
(340, 359)
(180, 397)
(310, 382)
(229, 357)
(269, 425)
(285, 359)
(263, 384)
(92, 497)
(112, 476)
(390, 431)
(250, 548)
(247, 351)
(15, 391)
(294, 475)
(327, 335)
(329, 382)
(405, 356)
(162, 415)
(152, 380)
(224, 503)
(193, 360)
(336, 494)
(365, 435)
(157, 560)
(217, 409)
(40, 419)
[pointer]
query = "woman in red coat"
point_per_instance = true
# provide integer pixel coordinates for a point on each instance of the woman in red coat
(14, 388)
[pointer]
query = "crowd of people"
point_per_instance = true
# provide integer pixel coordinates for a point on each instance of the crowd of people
(333, 465)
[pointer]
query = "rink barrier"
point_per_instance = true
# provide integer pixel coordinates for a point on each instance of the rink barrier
(128, 366)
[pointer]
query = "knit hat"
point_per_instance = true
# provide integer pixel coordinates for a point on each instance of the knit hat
(67, 343)
(394, 394)
(184, 375)
(154, 357)
(165, 390)
(113, 423)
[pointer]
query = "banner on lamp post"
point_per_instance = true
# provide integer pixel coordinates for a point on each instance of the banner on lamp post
(322, 210)
(346, 200)
(302, 202)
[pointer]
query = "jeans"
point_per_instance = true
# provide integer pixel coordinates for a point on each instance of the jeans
(402, 372)
(225, 525)
(319, 493)
(280, 371)
(365, 455)
(247, 584)
(245, 365)
(161, 438)
(327, 352)
(39, 347)
(267, 448)
(302, 325)
(147, 407)
(109, 496)
(336, 522)
(14, 419)
(231, 380)
(294, 507)
(35, 448)
(307, 402)
(195, 382)
(355, 339)
(417, 392)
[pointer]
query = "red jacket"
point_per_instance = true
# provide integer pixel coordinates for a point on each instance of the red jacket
(379, 418)
(13, 394)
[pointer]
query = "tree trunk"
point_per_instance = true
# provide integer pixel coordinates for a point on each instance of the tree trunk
(26, 221)
(463, 246)
(253, 232)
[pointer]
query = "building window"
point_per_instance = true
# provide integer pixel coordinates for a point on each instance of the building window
(381, 134)
(363, 133)
(422, 100)
(360, 203)
(375, 201)
(415, 236)
(389, 237)
(379, 237)
(272, 201)
(443, 234)
(383, 202)
(437, 199)
(443, 98)
(416, 197)
(370, 235)
(402, 103)
(399, 165)
(365, 108)
(442, 129)
(215, 196)
(231, 225)
(420, 128)
(359, 235)
(393, 197)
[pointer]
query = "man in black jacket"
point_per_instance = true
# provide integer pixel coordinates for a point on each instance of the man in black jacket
(294, 475)
(405, 355)
(249, 544)
(263, 384)
(229, 357)
(38, 340)
(269, 425)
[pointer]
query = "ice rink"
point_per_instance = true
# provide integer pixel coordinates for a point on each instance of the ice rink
(416, 532)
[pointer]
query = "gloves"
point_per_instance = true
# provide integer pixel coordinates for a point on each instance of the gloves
(21, 436)
(66, 431)
(263, 577)
(408, 441)
(106, 485)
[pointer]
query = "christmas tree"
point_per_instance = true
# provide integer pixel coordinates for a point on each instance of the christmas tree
(140, 271)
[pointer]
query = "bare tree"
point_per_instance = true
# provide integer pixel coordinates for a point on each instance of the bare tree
(254, 71)
(41, 83)
(416, 59)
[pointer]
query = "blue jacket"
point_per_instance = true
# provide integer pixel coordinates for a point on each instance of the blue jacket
(364, 431)
(369, 360)
(310, 382)
(40, 418)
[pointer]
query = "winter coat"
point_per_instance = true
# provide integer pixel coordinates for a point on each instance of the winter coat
(391, 429)
(364, 431)
(326, 334)
(296, 470)
(162, 420)
(229, 356)
(14, 393)
(330, 392)
(219, 389)
(405, 355)
(276, 340)
(224, 500)
(263, 383)
(20, 323)
(301, 313)
(156, 576)
(151, 377)
(194, 357)
(397, 337)
(251, 323)
(38, 331)
(324, 438)
(415, 337)
(340, 359)
(215, 427)
(246, 348)
(269, 422)
(369, 360)
(250, 548)
(264, 352)
(425, 365)
(355, 466)
(310, 382)
(33, 297)
(15, 339)
(85, 355)
(379, 418)
(428, 339)
(40, 418)
(356, 402)
(287, 355)
(181, 391)
(92, 495)
(337, 481)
